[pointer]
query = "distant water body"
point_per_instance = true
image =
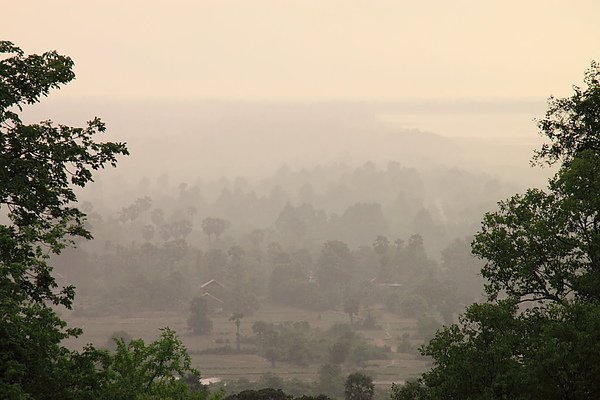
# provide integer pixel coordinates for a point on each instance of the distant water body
(507, 128)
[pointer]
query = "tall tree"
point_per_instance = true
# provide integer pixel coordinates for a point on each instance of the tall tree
(214, 226)
(39, 165)
(260, 328)
(199, 321)
(352, 306)
(236, 317)
(538, 336)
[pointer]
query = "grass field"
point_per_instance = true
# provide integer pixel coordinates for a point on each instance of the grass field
(399, 367)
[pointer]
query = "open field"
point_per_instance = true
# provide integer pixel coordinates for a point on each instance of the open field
(399, 367)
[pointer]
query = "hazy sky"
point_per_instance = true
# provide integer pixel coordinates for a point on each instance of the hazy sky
(312, 50)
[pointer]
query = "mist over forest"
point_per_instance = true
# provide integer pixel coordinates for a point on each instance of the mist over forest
(302, 200)
(308, 206)
(264, 208)
(294, 176)
(208, 140)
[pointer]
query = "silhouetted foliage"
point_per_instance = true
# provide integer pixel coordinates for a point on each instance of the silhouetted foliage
(537, 335)
(39, 166)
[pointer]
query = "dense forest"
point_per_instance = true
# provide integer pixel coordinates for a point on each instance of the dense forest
(387, 225)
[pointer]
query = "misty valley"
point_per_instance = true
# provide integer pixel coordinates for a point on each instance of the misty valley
(366, 261)
(232, 249)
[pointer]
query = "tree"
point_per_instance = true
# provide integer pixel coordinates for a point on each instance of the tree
(138, 370)
(260, 328)
(359, 386)
(133, 211)
(360, 223)
(236, 317)
(572, 123)
(381, 245)
(181, 229)
(298, 224)
(148, 232)
(157, 216)
(270, 380)
(338, 352)
(241, 296)
(214, 226)
(199, 321)
(272, 346)
(538, 335)
(351, 307)
(335, 270)
(463, 269)
(411, 390)
(39, 165)
(558, 231)
(330, 380)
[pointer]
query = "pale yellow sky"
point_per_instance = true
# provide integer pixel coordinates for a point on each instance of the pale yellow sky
(318, 50)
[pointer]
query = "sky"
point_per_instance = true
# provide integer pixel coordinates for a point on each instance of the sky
(227, 87)
(312, 50)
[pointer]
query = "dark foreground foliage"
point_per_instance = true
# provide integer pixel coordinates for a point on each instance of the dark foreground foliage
(538, 336)
(40, 164)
